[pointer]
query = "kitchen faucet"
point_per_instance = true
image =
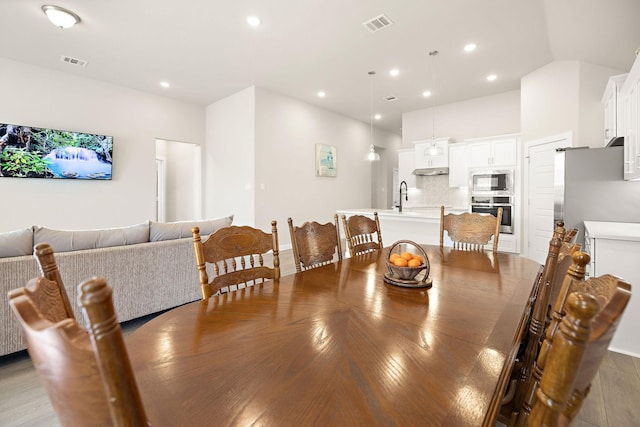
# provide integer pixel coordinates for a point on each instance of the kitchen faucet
(406, 196)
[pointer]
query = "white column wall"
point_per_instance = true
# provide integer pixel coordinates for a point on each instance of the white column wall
(230, 158)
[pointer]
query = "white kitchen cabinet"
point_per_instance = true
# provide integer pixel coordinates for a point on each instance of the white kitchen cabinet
(611, 103)
(431, 153)
(630, 94)
(493, 152)
(458, 165)
(406, 167)
(615, 249)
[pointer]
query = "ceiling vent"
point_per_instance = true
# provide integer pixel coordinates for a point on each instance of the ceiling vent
(378, 23)
(390, 98)
(74, 61)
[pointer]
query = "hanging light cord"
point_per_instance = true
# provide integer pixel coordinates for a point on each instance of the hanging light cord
(371, 73)
(433, 54)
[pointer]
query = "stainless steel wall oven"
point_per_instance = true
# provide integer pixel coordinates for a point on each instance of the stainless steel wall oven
(490, 204)
(493, 189)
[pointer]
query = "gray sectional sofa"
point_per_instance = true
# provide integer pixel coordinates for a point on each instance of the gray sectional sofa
(150, 267)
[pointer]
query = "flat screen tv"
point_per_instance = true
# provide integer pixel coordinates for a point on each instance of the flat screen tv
(31, 152)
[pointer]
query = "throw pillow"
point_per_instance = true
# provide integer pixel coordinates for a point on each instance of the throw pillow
(182, 229)
(75, 240)
(16, 243)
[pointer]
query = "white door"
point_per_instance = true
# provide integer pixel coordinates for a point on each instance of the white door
(539, 194)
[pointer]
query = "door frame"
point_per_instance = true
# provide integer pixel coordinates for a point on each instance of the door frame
(161, 177)
(189, 157)
(568, 136)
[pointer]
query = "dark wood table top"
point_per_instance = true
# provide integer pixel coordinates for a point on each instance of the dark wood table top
(337, 345)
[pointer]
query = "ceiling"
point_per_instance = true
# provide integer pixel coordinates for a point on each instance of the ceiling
(206, 50)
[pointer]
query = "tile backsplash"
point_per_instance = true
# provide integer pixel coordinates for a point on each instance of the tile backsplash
(434, 191)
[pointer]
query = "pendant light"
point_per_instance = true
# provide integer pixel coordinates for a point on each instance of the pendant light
(433, 150)
(371, 156)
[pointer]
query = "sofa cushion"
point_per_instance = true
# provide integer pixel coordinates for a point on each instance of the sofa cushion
(74, 240)
(181, 229)
(16, 243)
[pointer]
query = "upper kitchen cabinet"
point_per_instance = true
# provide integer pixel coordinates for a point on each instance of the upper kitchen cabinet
(611, 102)
(630, 94)
(431, 153)
(458, 165)
(493, 152)
(406, 167)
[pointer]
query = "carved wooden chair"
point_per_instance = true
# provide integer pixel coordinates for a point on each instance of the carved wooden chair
(470, 231)
(578, 348)
(571, 235)
(56, 298)
(87, 375)
(547, 287)
(608, 289)
(315, 245)
(362, 233)
(236, 254)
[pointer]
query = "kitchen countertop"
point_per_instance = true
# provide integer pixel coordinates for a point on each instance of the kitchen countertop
(408, 213)
(613, 230)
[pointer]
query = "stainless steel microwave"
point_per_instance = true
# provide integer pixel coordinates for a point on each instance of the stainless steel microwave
(491, 182)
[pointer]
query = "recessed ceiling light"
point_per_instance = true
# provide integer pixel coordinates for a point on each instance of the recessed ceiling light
(426, 93)
(321, 94)
(254, 21)
(492, 77)
(60, 17)
(394, 72)
(378, 116)
(165, 84)
(470, 47)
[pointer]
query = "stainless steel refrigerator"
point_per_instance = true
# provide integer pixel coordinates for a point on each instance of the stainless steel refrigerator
(589, 186)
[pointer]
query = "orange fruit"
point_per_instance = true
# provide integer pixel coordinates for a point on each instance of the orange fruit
(406, 255)
(400, 262)
(414, 263)
(393, 256)
(419, 258)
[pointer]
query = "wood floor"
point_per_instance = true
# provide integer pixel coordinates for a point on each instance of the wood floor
(614, 399)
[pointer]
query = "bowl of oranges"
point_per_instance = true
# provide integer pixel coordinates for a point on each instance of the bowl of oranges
(405, 264)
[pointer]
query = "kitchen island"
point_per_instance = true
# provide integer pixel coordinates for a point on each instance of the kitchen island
(421, 225)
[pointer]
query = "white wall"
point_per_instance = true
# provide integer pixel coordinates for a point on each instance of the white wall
(43, 98)
(230, 158)
(564, 96)
(550, 101)
(286, 133)
(473, 118)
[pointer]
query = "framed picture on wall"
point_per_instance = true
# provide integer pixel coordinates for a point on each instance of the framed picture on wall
(326, 160)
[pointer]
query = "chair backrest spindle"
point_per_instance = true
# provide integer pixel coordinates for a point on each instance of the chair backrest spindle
(362, 233)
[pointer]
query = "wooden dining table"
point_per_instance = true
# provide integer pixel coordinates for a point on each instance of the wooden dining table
(336, 345)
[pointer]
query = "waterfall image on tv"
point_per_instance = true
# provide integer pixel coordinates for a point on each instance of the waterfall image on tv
(30, 152)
